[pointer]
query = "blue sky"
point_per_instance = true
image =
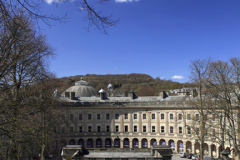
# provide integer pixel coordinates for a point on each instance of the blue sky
(155, 37)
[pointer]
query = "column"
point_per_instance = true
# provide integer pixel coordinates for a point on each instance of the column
(209, 150)
(139, 143)
(85, 129)
(76, 122)
(130, 143)
(94, 117)
(149, 122)
(121, 123)
(94, 143)
(131, 121)
(103, 143)
(184, 147)
(175, 131)
(176, 146)
(103, 129)
(121, 143)
(158, 122)
(140, 123)
(167, 123)
(184, 123)
(112, 122)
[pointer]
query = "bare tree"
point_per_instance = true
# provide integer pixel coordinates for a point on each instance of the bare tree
(199, 75)
(34, 10)
(26, 56)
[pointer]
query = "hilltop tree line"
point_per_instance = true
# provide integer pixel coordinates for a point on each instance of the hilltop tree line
(143, 84)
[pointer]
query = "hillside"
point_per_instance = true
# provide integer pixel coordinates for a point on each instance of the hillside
(144, 84)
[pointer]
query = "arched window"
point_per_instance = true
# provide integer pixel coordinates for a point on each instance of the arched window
(144, 143)
(126, 143)
(108, 142)
(89, 143)
(116, 143)
(98, 142)
(81, 142)
(135, 143)
(72, 142)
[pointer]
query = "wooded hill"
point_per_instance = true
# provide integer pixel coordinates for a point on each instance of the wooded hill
(143, 84)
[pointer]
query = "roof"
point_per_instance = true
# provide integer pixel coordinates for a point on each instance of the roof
(82, 91)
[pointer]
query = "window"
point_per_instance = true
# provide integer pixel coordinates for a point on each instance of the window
(162, 129)
(71, 117)
(171, 116)
(126, 116)
(71, 129)
(188, 130)
(213, 118)
(89, 116)
(171, 129)
(188, 116)
(180, 130)
(89, 129)
(213, 132)
(98, 116)
(135, 116)
(80, 129)
(162, 116)
(80, 117)
(197, 117)
(144, 116)
(179, 116)
(63, 129)
(98, 128)
(135, 128)
(153, 129)
(197, 131)
(116, 116)
(107, 116)
(126, 128)
(107, 128)
(153, 116)
(144, 129)
(117, 128)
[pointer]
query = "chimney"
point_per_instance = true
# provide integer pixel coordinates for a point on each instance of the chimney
(132, 94)
(102, 94)
(163, 94)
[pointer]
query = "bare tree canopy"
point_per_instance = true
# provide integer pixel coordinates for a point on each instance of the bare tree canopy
(34, 9)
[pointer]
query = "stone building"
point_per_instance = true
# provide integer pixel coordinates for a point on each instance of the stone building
(99, 122)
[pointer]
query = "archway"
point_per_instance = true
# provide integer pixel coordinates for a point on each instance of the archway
(135, 143)
(89, 143)
(99, 143)
(72, 142)
(197, 148)
(144, 143)
(171, 144)
(205, 148)
(117, 143)
(189, 147)
(180, 145)
(162, 142)
(126, 143)
(107, 142)
(213, 151)
(81, 142)
(153, 142)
